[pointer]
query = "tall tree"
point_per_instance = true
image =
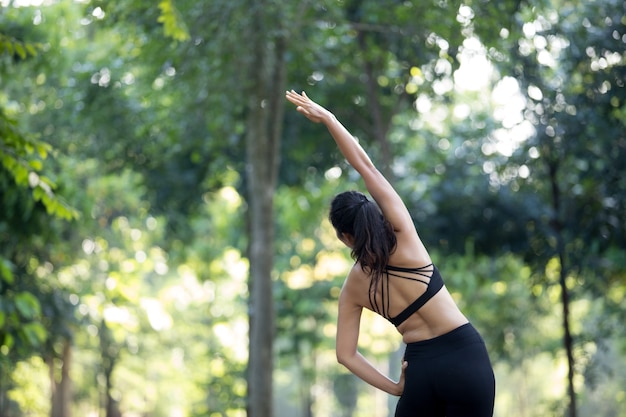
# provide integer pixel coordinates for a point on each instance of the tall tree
(571, 69)
(267, 76)
(29, 206)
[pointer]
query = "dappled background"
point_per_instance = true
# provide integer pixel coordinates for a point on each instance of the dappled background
(164, 248)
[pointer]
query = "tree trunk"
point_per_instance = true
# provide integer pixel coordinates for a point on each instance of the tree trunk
(263, 130)
(109, 354)
(61, 391)
(4, 400)
(565, 298)
(567, 340)
(379, 126)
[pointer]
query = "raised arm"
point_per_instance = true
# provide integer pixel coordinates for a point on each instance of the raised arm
(377, 185)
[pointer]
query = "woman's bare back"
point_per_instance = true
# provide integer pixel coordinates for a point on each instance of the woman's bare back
(398, 290)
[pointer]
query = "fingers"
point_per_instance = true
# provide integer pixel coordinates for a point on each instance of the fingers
(291, 96)
(304, 105)
(297, 98)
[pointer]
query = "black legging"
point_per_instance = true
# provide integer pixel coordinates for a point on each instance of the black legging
(448, 376)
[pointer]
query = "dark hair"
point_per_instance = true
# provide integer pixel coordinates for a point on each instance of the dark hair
(374, 239)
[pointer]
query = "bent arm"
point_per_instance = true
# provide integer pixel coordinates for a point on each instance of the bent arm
(362, 368)
(347, 340)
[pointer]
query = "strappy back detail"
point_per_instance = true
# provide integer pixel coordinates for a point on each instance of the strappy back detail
(427, 275)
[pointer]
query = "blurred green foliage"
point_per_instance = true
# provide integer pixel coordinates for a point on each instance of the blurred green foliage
(123, 205)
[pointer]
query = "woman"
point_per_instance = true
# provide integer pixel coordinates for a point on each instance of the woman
(446, 370)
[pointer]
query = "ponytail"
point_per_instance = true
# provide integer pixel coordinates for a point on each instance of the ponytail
(374, 239)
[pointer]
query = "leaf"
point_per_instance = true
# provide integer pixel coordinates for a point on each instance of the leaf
(6, 271)
(42, 149)
(36, 164)
(31, 49)
(34, 333)
(173, 24)
(28, 305)
(20, 174)
(19, 49)
(8, 340)
(38, 193)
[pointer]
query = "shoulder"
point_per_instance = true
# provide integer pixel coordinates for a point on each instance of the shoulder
(357, 275)
(410, 250)
(356, 286)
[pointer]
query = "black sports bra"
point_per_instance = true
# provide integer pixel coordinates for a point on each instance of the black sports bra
(414, 274)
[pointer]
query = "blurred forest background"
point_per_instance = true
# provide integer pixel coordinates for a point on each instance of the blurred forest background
(164, 248)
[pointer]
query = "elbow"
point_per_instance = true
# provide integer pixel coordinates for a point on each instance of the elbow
(343, 358)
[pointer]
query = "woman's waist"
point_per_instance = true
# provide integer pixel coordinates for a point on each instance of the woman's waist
(422, 327)
(458, 338)
(428, 333)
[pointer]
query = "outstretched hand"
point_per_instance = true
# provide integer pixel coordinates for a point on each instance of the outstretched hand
(307, 107)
